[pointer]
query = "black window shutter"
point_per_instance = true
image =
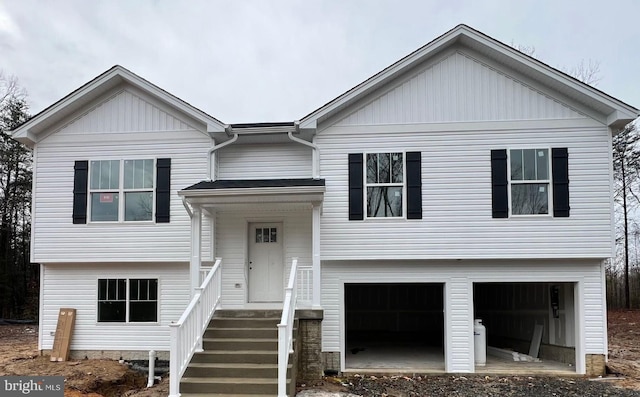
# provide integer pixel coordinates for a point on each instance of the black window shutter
(80, 184)
(499, 184)
(356, 208)
(560, 175)
(163, 190)
(414, 185)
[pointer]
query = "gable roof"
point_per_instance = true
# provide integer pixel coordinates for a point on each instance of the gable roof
(616, 112)
(28, 132)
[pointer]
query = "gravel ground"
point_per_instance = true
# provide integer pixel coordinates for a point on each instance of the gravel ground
(472, 386)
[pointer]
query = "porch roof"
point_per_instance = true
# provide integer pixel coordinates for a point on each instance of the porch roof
(247, 191)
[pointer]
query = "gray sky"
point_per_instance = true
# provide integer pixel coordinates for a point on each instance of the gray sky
(255, 61)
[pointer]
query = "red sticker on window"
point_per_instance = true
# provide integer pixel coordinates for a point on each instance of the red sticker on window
(106, 197)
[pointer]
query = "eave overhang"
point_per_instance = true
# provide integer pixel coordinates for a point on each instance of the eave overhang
(29, 132)
(252, 192)
(615, 113)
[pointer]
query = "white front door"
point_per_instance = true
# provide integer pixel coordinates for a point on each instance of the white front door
(266, 264)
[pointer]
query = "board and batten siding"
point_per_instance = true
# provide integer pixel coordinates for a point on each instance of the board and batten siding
(457, 219)
(458, 278)
(231, 244)
(461, 86)
(57, 239)
(125, 111)
(76, 286)
(266, 161)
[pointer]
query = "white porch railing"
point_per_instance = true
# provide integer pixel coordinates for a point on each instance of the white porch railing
(305, 286)
(186, 334)
(285, 328)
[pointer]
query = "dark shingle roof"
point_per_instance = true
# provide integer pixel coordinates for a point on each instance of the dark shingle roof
(255, 183)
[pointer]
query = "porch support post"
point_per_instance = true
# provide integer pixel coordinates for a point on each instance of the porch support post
(196, 249)
(315, 251)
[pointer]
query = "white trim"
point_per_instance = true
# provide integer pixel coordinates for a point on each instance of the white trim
(576, 282)
(469, 126)
(32, 237)
(405, 279)
(121, 192)
(315, 255)
(603, 280)
(280, 224)
(366, 185)
(578, 292)
(612, 208)
(41, 307)
(28, 132)
(195, 261)
(548, 181)
(127, 300)
(481, 43)
(251, 191)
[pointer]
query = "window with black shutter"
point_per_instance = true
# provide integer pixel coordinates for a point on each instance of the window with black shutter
(522, 181)
(385, 185)
(129, 190)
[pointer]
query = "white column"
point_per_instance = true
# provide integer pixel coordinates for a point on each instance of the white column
(458, 317)
(315, 251)
(196, 249)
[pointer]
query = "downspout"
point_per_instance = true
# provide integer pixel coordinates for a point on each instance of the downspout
(315, 155)
(152, 368)
(210, 153)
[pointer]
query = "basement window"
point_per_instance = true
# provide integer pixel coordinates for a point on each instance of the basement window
(127, 300)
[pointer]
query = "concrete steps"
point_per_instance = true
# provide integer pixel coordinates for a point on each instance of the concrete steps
(240, 357)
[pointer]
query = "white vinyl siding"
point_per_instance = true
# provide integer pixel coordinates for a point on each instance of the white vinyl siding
(456, 194)
(459, 277)
(56, 239)
(231, 246)
(127, 110)
(460, 86)
(266, 161)
(76, 286)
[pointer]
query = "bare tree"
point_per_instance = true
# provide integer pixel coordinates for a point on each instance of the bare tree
(587, 72)
(626, 169)
(18, 281)
(9, 89)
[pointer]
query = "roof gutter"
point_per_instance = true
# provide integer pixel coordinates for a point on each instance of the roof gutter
(315, 153)
(211, 153)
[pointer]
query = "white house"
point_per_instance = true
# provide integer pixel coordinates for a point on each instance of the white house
(467, 180)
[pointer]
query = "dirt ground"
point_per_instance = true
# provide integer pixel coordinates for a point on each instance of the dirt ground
(108, 378)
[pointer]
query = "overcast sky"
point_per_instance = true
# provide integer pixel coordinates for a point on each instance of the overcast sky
(256, 61)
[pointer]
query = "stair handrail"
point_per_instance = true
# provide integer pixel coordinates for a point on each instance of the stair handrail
(187, 332)
(285, 328)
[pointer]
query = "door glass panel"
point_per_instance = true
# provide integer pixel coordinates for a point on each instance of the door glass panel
(266, 235)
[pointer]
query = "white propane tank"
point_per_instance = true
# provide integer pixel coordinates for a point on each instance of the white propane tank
(480, 342)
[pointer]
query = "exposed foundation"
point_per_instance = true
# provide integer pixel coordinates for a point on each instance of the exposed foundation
(331, 361)
(310, 363)
(595, 364)
(112, 354)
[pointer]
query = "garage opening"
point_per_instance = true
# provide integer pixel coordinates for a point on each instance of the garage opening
(394, 327)
(529, 326)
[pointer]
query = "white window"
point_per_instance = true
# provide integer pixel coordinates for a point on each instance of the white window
(529, 181)
(385, 185)
(127, 300)
(112, 180)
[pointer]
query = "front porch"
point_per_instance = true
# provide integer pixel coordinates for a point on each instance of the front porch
(258, 227)
(268, 231)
